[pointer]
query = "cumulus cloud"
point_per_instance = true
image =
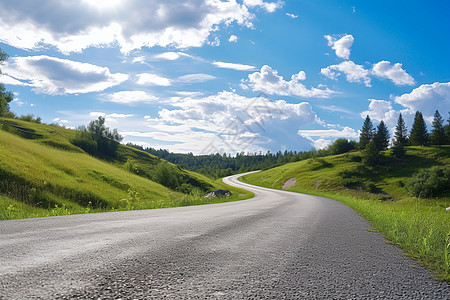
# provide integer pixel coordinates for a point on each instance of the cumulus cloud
(352, 71)
(76, 25)
(233, 38)
(268, 81)
(383, 69)
(292, 16)
(233, 66)
(268, 6)
(129, 97)
(153, 79)
(227, 122)
(427, 98)
(56, 76)
(381, 110)
(341, 45)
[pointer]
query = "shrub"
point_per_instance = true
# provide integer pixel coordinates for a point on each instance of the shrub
(429, 182)
(398, 150)
(85, 141)
(370, 156)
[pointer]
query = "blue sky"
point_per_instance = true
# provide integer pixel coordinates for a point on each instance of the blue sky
(227, 76)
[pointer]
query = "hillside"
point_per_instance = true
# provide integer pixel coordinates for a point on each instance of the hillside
(421, 226)
(345, 174)
(43, 174)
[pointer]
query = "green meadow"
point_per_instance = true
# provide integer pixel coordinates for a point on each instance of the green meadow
(420, 226)
(43, 174)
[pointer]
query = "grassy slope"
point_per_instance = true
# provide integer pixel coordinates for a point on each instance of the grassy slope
(49, 176)
(420, 227)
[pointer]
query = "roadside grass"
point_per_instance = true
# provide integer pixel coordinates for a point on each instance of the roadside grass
(421, 227)
(39, 179)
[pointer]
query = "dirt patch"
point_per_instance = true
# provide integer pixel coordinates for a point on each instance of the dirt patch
(289, 183)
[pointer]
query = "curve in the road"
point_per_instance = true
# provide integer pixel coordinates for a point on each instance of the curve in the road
(277, 245)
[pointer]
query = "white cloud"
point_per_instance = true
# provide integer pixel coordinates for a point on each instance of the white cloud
(292, 16)
(56, 76)
(195, 78)
(5, 79)
(346, 132)
(268, 6)
(234, 66)
(77, 25)
(153, 79)
(322, 134)
(427, 98)
(395, 73)
(226, 122)
(268, 81)
(170, 55)
(129, 97)
(341, 46)
(120, 116)
(381, 110)
(352, 71)
(233, 39)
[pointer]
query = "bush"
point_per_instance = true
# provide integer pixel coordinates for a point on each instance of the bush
(398, 150)
(85, 141)
(340, 146)
(429, 182)
(371, 155)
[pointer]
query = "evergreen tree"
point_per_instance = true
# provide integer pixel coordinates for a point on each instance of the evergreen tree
(381, 137)
(370, 155)
(447, 131)
(419, 135)
(367, 133)
(401, 133)
(437, 136)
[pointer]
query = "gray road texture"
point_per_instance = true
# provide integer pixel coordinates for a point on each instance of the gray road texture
(278, 245)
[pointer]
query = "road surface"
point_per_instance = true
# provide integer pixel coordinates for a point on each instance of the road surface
(277, 245)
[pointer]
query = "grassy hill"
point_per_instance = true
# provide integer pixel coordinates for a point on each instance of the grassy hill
(43, 174)
(420, 226)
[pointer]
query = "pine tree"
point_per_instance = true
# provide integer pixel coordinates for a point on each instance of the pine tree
(447, 130)
(419, 135)
(367, 133)
(370, 155)
(401, 133)
(437, 136)
(381, 138)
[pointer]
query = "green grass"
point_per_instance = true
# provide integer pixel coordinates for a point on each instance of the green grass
(47, 176)
(421, 227)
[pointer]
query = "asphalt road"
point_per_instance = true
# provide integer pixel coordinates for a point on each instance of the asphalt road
(278, 245)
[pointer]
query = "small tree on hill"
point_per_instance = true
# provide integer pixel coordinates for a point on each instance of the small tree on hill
(447, 131)
(367, 133)
(437, 136)
(419, 135)
(370, 155)
(401, 132)
(5, 97)
(381, 137)
(340, 146)
(107, 140)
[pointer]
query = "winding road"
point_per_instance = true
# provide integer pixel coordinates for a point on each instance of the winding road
(277, 245)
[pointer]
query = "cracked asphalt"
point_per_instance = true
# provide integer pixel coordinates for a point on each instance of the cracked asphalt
(277, 245)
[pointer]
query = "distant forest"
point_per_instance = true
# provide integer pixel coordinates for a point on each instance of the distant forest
(220, 165)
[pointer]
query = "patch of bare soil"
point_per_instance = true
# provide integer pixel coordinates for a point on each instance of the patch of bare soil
(289, 183)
